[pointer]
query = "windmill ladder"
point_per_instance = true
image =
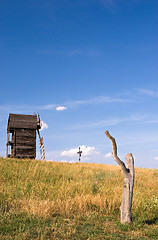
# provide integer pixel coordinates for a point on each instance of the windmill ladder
(41, 145)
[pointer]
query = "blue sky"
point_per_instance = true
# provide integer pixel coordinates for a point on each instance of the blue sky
(86, 66)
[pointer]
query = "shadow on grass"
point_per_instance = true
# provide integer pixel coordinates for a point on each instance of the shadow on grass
(151, 221)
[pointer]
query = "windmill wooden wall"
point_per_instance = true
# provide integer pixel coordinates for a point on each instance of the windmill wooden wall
(21, 130)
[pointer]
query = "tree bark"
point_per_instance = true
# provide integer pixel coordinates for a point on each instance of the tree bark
(128, 184)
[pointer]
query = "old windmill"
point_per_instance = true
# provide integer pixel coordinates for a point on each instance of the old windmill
(21, 136)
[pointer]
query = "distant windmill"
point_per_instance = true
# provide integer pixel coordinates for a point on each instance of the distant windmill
(79, 153)
(21, 136)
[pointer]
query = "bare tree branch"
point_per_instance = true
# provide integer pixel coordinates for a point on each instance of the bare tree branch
(114, 153)
(128, 183)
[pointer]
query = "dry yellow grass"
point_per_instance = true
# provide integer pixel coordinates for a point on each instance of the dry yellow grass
(49, 188)
(52, 200)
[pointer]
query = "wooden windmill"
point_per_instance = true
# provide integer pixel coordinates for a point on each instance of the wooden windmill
(21, 136)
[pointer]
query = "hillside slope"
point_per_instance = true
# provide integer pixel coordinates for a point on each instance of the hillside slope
(52, 200)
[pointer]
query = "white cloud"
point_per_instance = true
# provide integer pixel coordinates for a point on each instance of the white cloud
(47, 107)
(72, 161)
(70, 152)
(149, 92)
(64, 161)
(97, 100)
(88, 150)
(61, 108)
(91, 101)
(108, 155)
(58, 107)
(101, 123)
(136, 118)
(44, 125)
(85, 151)
(156, 158)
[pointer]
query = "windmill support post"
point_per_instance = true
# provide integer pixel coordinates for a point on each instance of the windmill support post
(41, 145)
(128, 184)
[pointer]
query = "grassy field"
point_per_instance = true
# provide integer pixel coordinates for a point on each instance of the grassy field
(51, 200)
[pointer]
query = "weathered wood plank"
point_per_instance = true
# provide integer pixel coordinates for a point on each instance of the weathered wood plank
(22, 121)
(23, 152)
(24, 148)
(21, 141)
(14, 117)
(26, 156)
(22, 124)
(26, 145)
(25, 138)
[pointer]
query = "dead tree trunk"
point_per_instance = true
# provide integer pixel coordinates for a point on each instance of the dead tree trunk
(128, 184)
